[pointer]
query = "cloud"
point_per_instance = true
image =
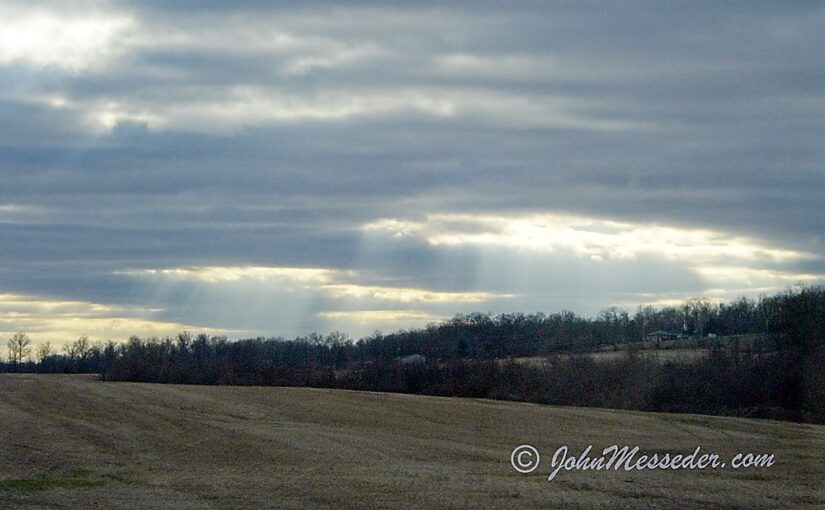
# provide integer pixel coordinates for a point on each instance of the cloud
(201, 158)
(596, 238)
(369, 321)
(371, 317)
(336, 283)
(726, 264)
(61, 322)
(177, 72)
(233, 274)
(42, 37)
(407, 295)
(292, 301)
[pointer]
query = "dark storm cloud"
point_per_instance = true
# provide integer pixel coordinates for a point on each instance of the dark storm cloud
(235, 133)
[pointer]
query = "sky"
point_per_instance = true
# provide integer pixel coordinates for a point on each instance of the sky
(260, 169)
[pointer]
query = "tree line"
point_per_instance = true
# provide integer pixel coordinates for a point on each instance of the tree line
(476, 355)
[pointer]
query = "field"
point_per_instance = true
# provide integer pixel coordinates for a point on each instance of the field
(671, 351)
(662, 356)
(74, 442)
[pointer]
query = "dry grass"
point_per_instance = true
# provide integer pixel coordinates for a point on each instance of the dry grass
(661, 356)
(73, 442)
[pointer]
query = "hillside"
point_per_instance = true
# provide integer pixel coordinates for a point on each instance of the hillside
(74, 442)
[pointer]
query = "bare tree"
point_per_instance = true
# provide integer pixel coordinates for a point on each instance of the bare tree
(43, 351)
(19, 346)
(79, 349)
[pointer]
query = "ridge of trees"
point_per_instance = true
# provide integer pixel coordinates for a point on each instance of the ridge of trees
(476, 355)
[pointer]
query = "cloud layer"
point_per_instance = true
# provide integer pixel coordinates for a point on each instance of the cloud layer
(419, 160)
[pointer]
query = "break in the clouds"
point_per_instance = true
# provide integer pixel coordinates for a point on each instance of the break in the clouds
(249, 169)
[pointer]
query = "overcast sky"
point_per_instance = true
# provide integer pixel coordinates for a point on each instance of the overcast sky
(241, 169)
